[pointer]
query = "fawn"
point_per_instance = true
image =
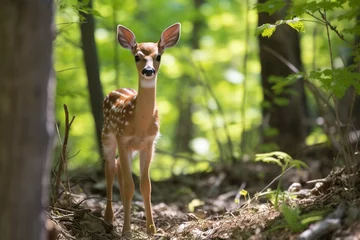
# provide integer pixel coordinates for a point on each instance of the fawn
(131, 124)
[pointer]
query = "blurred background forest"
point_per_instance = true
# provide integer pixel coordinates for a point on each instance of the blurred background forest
(216, 99)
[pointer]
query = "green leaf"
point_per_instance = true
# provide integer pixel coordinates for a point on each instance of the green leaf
(337, 81)
(292, 218)
(280, 158)
(300, 7)
(299, 164)
(269, 30)
(309, 220)
(260, 29)
(296, 24)
(259, 158)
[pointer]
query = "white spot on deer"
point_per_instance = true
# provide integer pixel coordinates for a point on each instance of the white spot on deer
(128, 91)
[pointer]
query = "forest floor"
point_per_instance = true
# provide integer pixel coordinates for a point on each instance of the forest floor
(202, 206)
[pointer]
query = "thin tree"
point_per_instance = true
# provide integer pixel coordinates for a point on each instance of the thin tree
(185, 127)
(87, 27)
(26, 116)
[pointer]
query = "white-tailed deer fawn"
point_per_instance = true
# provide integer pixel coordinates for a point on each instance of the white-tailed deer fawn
(131, 124)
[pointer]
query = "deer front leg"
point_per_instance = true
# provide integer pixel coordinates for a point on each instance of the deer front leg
(146, 156)
(109, 174)
(109, 148)
(127, 186)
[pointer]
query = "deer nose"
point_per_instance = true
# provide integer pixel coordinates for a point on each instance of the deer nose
(148, 71)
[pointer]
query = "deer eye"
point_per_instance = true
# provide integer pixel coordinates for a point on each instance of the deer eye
(158, 58)
(137, 58)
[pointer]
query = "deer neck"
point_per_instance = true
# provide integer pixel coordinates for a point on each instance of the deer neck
(145, 104)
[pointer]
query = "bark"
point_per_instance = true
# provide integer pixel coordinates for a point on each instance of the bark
(288, 120)
(26, 116)
(87, 28)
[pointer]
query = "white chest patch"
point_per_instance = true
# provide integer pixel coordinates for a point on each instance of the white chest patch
(148, 83)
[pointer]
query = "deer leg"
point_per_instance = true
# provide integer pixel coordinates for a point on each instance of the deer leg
(127, 186)
(146, 156)
(109, 148)
(120, 180)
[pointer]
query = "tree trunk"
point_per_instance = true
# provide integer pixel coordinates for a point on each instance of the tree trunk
(87, 28)
(288, 119)
(26, 116)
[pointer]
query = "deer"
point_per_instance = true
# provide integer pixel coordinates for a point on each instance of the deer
(131, 124)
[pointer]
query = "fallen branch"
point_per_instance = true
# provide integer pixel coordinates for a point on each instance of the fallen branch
(328, 225)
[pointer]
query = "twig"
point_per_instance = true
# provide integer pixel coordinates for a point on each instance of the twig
(282, 59)
(323, 15)
(333, 28)
(282, 174)
(67, 69)
(63, 157)
(74, 155)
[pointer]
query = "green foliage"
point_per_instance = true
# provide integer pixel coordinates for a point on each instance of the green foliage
(301, 7)
(292, 218)
(282, 159)
(285, 162)
(337, 81)
(295, 221)
(281, 84)
(267, 30)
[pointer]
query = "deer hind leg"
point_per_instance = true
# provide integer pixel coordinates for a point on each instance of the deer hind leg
(126, 184)
(146, 156)
(109, 149)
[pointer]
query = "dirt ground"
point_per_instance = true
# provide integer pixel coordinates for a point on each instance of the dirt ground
(202, 206)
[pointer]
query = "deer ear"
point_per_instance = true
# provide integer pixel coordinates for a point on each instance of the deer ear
(126, 37)
(170, 36)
